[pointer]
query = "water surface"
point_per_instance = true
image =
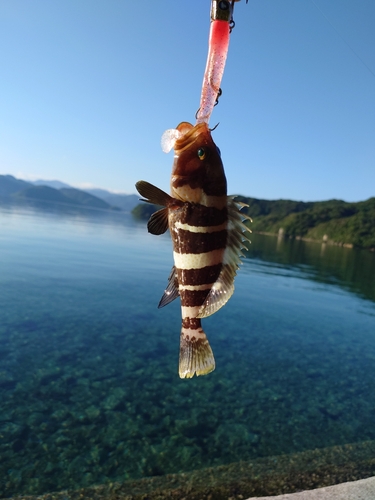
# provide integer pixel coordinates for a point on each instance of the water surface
(89, 386)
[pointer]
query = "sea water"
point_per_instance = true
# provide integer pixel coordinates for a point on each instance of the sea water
(89, 386)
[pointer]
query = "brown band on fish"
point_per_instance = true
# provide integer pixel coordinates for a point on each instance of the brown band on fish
(199, 215)
(192, 298)
(195, 243)
(201, 276)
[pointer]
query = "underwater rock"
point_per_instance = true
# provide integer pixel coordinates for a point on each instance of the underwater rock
(114, 400)
(235, 436)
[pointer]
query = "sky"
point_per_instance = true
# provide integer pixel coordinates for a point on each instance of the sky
(88, 87)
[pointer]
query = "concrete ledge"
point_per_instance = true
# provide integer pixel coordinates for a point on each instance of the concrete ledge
(356, 490)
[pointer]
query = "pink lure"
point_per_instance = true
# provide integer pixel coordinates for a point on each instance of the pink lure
(217, 56)
(221, 23)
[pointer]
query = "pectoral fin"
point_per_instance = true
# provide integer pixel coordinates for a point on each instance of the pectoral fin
(158, 222)
(152, 194)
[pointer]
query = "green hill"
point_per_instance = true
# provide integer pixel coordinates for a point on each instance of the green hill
(144, 211)
(334, 221)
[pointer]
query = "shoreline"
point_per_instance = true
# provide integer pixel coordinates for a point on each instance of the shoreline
(312, 240)
(275, 475)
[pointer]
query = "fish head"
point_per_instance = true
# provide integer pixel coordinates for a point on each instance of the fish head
(197, 169)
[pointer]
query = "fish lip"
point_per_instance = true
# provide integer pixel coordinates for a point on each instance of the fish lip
(188, 138)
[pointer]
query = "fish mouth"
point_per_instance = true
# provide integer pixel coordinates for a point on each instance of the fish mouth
(189, 134)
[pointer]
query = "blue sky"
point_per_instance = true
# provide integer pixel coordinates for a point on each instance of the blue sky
(88, 87)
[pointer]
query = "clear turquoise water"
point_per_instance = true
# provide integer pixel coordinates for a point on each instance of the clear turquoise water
(89, 387)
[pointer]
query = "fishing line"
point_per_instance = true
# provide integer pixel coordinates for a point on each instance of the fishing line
(343, 39)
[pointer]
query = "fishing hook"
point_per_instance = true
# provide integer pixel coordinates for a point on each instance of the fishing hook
(216, 103)
(217, 97)
(212, 129)
(232, 24)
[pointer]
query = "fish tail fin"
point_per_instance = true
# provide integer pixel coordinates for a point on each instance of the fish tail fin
(196, 356)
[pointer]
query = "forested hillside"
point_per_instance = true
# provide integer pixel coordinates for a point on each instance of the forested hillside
(334, 220)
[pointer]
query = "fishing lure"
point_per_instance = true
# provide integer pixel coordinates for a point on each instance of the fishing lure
(221, 26)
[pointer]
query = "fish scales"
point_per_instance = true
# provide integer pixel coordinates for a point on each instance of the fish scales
(207, 235)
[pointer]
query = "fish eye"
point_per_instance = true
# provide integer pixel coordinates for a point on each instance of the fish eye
(201, 153)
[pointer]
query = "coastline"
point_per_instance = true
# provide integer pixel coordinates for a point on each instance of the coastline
(270, 476)
(312, 240)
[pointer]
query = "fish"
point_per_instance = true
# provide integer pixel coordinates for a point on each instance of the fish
(208, 233)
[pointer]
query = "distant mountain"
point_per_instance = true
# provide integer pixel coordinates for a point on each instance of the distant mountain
(52, 184)
(10, 185)
(68, 196)
(16, 189)
(43, 193)
(84, 198)
(124, 201)
(61, 192)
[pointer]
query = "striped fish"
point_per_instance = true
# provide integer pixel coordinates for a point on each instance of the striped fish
(207, 232)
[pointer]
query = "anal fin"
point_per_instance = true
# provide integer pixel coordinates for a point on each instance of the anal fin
(171, 292)
(220, 293)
